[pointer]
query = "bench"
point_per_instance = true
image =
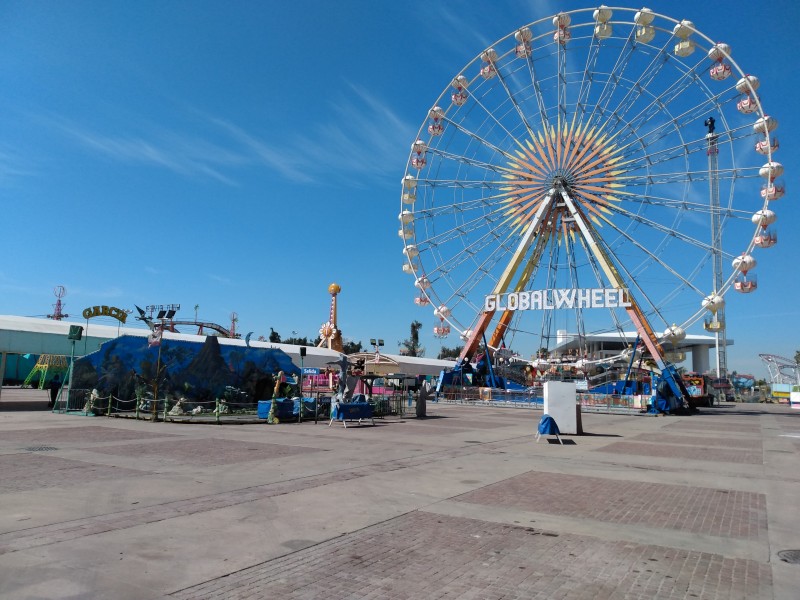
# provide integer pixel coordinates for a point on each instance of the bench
(351, 412)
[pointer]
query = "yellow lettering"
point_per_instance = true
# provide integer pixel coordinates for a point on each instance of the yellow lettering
(105, 311)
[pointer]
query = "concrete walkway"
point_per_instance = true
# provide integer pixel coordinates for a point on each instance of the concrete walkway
(464, 504)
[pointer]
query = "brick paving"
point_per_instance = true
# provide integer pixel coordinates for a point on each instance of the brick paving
(727, 513)
(724, 425)
(421, 555)
(68, 435)
(208, 543)
(78, 528)
(675, 452)
(28, 471)
(435, 430)
(694, 440)
(206, 452)
(464, 424)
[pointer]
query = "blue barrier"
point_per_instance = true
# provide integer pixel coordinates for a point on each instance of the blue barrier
(287, 409)
(351, 411)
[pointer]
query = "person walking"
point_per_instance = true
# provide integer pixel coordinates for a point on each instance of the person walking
(425, 392)
(55, 385)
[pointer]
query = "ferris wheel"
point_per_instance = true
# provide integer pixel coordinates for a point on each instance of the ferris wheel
(592, 172)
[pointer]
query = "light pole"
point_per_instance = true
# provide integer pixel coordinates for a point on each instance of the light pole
(376, 344)
(300, 407)
(75, 334)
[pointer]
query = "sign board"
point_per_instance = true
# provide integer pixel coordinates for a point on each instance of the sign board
(105, 311)
(558, 299)
(310, 371)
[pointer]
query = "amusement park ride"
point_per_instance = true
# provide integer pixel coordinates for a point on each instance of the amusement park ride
(50, 364)
(562, 180)
(329, 333)
(165, 318)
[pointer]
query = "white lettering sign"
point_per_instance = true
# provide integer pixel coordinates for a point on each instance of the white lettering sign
(558, 299)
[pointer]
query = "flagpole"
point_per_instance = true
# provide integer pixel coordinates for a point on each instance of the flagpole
(154, 408)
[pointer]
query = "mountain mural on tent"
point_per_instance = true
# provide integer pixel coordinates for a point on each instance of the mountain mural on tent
(197, 371)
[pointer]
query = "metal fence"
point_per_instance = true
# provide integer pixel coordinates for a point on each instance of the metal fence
(533, 399)
(317, 407)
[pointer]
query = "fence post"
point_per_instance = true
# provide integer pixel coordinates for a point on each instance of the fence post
(216, 409)
(166, 403)
(108, 408)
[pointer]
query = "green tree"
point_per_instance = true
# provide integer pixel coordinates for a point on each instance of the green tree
(298, 341)
(274, 336)
(446, 352)
(411, 345)
(797, 357)
(351, 347)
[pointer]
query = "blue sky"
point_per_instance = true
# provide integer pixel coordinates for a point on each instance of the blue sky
(242, 156)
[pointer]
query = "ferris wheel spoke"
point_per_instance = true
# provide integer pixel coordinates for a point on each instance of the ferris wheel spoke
(598, 277)
(642, 297)
(678, 205)
(575, 281)
(459, 231)
(492, 117)
(459, 184)
(482, 141)
(461, 293)
(459, 207)
(681, 204)
(587, 79)
(662, 228)
(597, 116)
(700, 145)
(636, 88)
(537, 91)
(466, 253)
(690, 115)
(466, 160)
(616, 274)
(662, 178)
(653, 256)
(514, 102)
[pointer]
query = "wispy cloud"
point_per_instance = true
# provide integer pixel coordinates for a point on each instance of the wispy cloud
(183, 154)
(219, 279)
(12, 166)
(359, 134)
(364, 137)
(293, 167)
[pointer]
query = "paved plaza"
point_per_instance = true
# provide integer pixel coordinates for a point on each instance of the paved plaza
(464, 504)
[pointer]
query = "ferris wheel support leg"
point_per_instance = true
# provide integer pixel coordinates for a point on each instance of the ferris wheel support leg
(505, 319)
(505, 279)
(643, 328)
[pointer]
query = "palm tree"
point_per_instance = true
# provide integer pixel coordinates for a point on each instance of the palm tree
(411, 346)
